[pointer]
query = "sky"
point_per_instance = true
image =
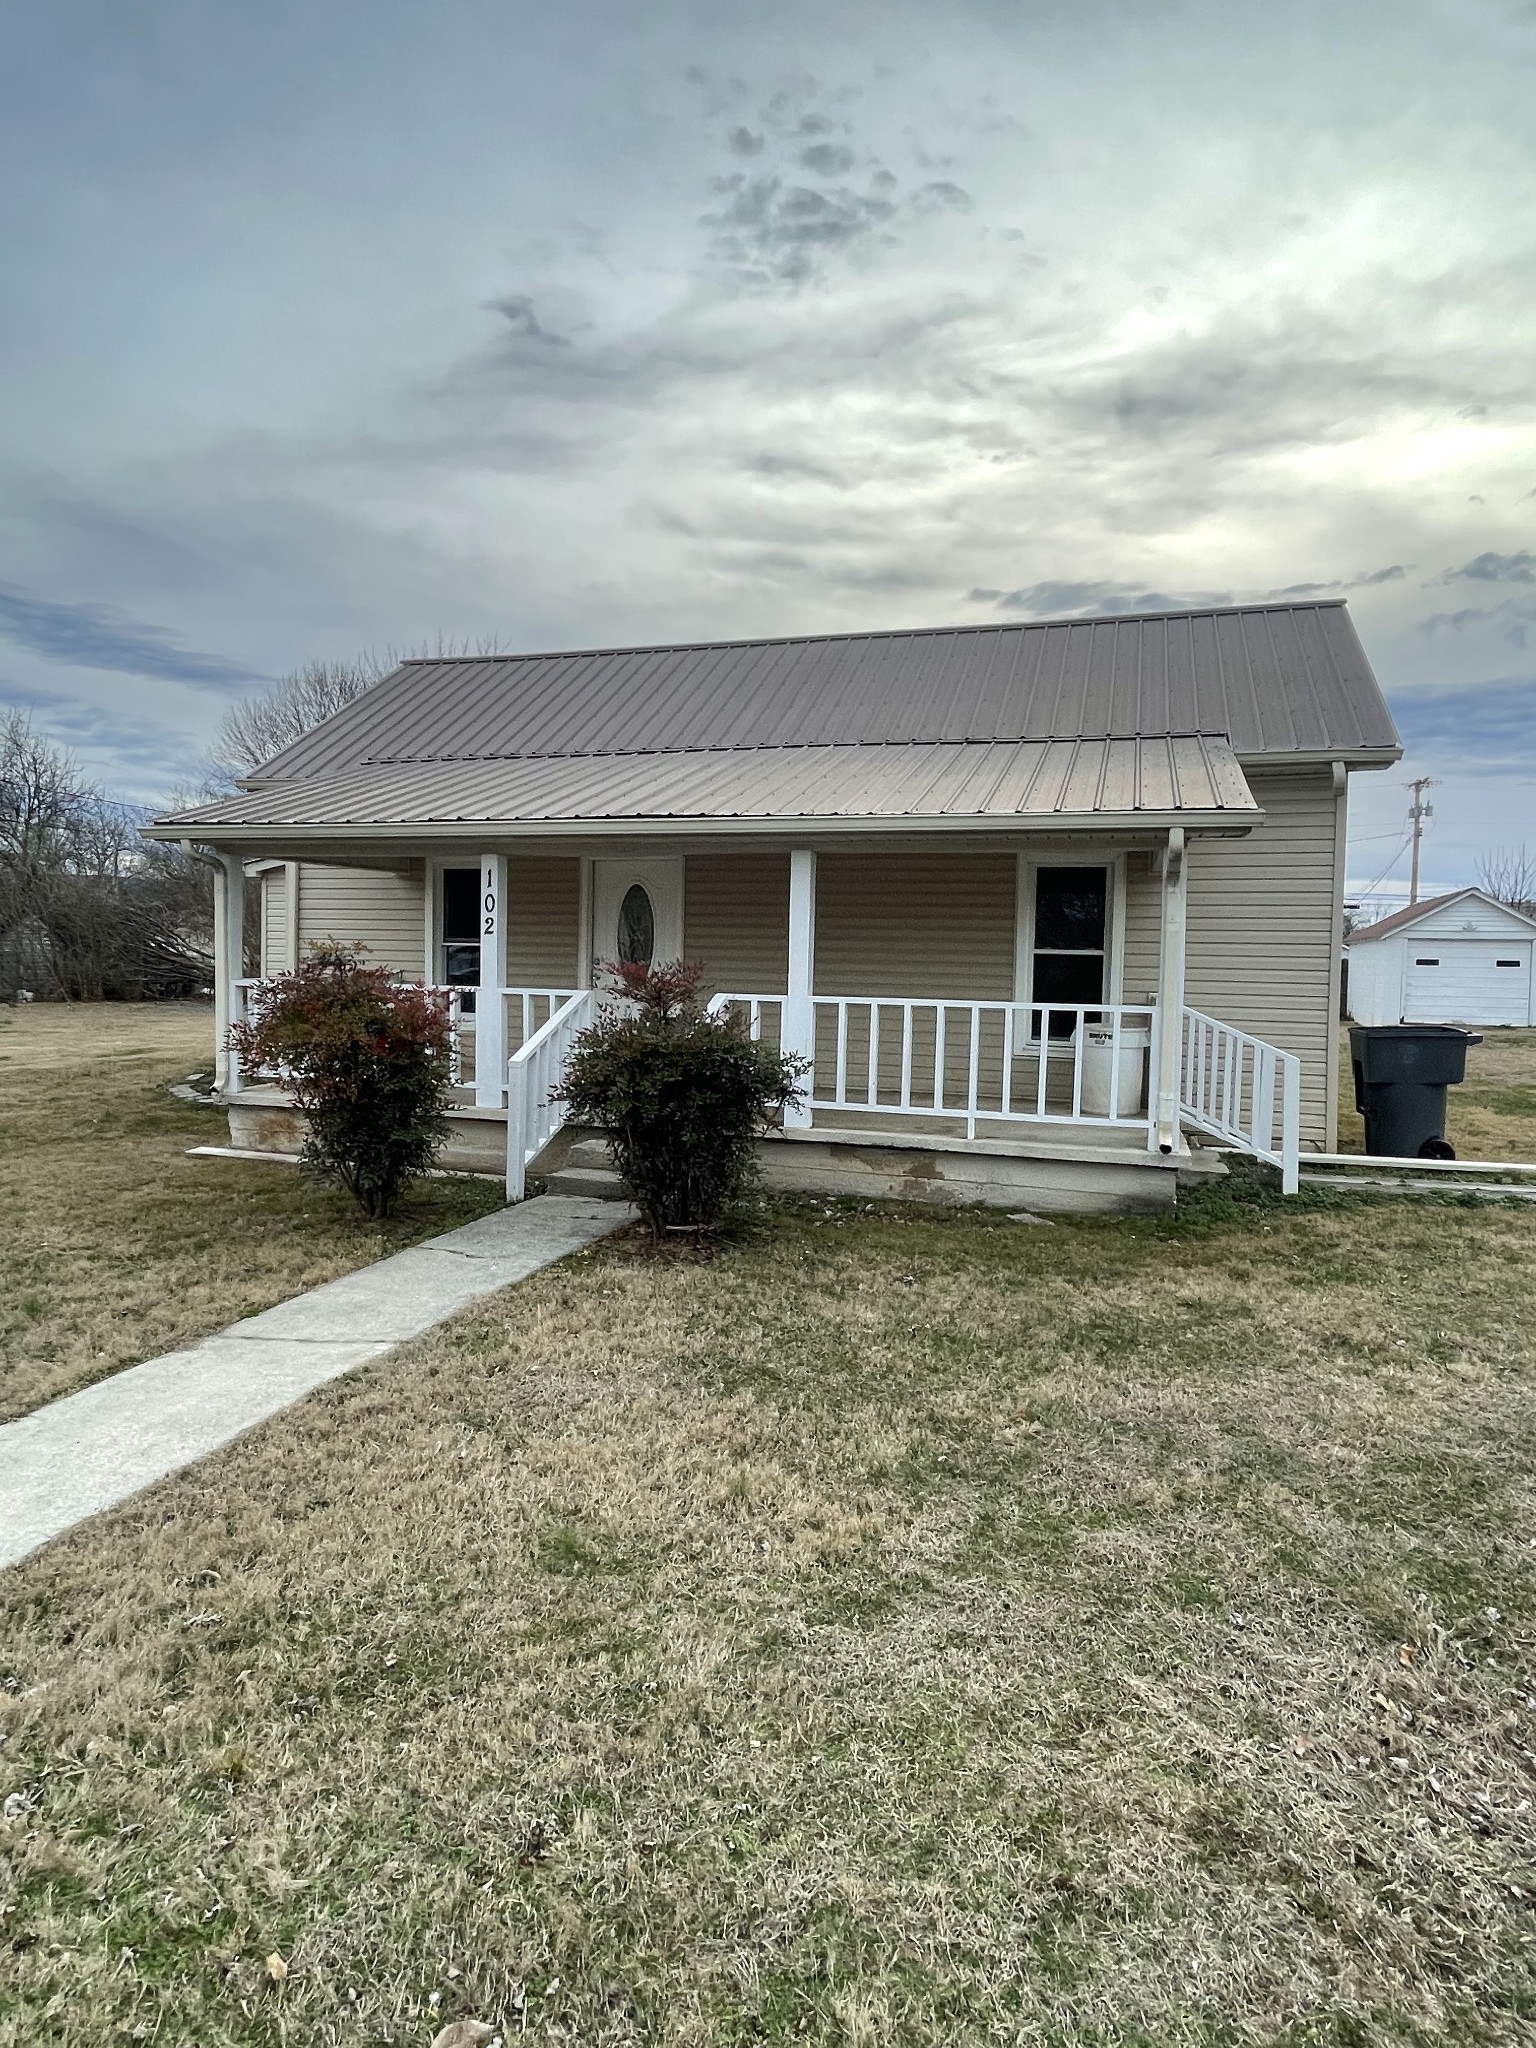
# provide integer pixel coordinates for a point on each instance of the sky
(394, 325)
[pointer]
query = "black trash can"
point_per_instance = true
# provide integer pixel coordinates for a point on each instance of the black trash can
(1401, 1074)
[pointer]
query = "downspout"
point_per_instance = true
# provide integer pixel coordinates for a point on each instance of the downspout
(1170, 991)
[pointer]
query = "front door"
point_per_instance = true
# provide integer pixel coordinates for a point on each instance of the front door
(637, 911)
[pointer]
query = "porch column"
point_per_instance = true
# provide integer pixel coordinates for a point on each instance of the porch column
(228, 964)
(490, 1010)
(799, 1033)
(1170, 992)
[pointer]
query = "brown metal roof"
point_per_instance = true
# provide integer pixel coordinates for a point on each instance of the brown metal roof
(1277, 680)
(1030, 781)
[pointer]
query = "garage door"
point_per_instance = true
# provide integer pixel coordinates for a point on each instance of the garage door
(1468, 981)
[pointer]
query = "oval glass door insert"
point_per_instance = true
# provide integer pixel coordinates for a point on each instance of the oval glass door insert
(637, 927)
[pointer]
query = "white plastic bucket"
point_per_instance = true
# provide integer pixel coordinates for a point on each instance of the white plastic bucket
(1099, 1069)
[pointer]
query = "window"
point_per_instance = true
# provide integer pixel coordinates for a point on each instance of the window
(459, 950)
(637, 927)
(1069, 957)
(1426, 963)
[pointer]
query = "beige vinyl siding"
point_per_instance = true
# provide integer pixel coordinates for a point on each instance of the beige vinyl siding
(383, 912)
(1140, 961)
(543, 922)
(736, 920)
(917, 921)
(1264, 928)
(274, 921)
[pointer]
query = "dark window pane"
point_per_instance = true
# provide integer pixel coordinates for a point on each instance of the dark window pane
(1070, 907)
(461, 965)
(637, 927)
(1068, 978)
(1426, 963)
(461, 905)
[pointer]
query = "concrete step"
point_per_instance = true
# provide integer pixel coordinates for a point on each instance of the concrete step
(590, 1152)
(594, 1183)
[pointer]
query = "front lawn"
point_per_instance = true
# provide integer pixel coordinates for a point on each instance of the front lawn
(114, 1245)
(902, 1629)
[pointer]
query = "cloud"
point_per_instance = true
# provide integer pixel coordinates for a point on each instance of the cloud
(95, 636)
(1049, 599)
(1491, 568)
(1491, 725)
(1052, 599)
(1513, 620)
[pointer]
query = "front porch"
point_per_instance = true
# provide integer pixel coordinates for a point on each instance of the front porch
(1064, 1097)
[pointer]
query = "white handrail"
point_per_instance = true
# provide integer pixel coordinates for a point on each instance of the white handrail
(534, 1073)
(1231, 1085)
(1082, 1063)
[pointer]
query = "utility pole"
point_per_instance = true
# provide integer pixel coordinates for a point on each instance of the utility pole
(1418, 811)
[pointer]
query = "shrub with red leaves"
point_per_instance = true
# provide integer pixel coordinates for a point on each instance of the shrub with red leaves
(366, 1060)
(682, 1095)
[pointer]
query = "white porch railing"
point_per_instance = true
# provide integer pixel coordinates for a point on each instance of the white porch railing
(973, 1063)
(246, 1006)
(524, 1011)
(1242, 1090)
(533, 1074)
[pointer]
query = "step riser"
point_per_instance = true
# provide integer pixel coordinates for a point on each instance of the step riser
(587, 1182)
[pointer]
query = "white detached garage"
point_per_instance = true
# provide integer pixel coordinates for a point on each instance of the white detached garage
(1459, 959)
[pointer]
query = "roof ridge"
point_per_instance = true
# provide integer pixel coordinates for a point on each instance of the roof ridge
(1209, 611)
(985, 739)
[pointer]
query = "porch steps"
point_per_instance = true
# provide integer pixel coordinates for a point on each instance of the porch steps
(588, 1171)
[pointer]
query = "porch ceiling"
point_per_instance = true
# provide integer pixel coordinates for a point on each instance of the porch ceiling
(1186, 778)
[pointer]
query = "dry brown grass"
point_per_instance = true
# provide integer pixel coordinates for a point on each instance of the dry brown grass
(113, 1244)
(899, 1630)
(1492, 1115)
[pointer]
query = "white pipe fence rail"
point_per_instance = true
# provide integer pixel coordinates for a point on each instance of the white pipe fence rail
(534, 1074)
(1242, 1090)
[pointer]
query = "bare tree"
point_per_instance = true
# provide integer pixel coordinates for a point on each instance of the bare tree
(261, 726)
(87, 909)
(1509, 874)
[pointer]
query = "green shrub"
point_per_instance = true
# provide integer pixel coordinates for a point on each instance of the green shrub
(681, 1094)
(366, 1060)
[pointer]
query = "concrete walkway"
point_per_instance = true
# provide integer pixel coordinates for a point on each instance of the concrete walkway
(95, 1448)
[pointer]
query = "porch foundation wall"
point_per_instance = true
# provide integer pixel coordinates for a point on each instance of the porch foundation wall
(1074, 1187)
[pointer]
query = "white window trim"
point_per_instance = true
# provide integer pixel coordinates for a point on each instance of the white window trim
(434, 915)
(1024, 936)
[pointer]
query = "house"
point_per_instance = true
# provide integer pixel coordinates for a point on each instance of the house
(1464, 958)
(1040, 902)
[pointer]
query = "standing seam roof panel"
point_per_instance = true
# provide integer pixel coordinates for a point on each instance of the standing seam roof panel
(1276, 679)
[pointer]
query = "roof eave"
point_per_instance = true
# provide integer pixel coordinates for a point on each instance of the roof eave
(209, 832)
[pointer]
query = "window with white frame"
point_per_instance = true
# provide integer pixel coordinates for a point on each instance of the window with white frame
(1069, 920)
(458, 928)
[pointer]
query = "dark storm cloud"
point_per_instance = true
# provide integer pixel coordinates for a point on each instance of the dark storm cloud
(94, 636)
